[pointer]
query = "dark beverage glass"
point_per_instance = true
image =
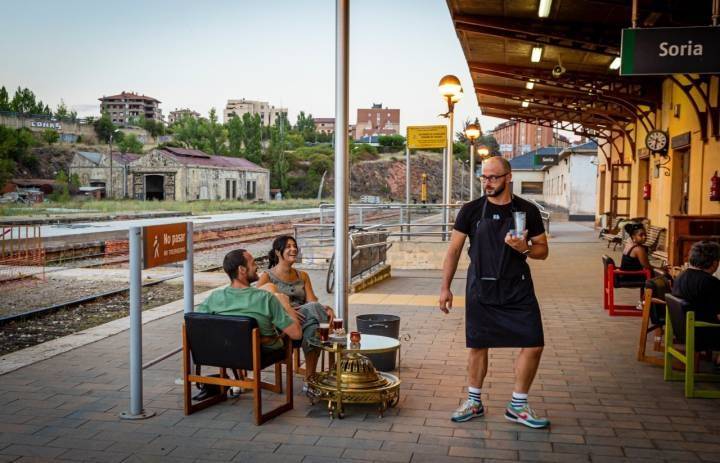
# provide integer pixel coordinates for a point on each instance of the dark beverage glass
(337, 324)
(324, 331)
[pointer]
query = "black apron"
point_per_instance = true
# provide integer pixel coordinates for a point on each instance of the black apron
(501, 309)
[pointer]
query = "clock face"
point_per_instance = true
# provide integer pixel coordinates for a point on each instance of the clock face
(656, 140)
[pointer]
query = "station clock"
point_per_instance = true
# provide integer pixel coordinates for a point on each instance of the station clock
(657, 141)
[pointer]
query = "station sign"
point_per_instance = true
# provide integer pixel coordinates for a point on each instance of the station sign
(546, 159)
(427, 136)
(164, 244)
(670, 50)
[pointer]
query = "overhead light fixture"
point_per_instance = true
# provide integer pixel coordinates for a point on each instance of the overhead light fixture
(530, 85)
(536, 54)
(525, 103)
(615, 63)
(544, 8)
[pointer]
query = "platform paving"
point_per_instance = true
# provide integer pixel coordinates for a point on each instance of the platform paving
(604, 405)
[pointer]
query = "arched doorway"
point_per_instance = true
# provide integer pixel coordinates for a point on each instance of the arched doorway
(154, 187)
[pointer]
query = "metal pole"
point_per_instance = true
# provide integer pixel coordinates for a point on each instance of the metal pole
(342, 165)
(188, 272)
(404, 217)
(136, 383)
(110, 180)
(472, 170)
(448, 173)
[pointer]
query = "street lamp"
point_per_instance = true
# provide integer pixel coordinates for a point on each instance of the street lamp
(451, 90)
(110, 179)
(472, 132)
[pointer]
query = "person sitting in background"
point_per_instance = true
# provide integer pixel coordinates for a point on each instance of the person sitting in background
(635, 255)
(241, 299)
(701, 290)
(283, 278)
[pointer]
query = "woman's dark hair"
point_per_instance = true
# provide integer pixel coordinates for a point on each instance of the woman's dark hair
(704, 254)
(232, 261)
(279, 246)
(633, 227)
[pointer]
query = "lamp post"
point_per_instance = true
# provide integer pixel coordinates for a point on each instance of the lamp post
(110, 179)
(472, 132)
(483, 153)
(451, 90)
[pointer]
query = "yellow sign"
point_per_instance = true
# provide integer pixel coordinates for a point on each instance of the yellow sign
(427, 136)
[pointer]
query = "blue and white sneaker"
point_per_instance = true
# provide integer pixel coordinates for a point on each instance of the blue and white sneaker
(467, 411)
(525, 415)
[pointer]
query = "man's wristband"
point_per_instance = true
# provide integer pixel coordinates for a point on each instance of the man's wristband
(526, 252)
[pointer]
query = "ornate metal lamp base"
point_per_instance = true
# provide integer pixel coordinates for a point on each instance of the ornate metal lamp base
(355, 380)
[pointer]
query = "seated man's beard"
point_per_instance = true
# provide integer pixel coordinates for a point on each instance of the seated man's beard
(252, 278)
(496, 192)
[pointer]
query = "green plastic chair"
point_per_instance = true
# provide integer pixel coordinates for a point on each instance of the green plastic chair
(680, 325)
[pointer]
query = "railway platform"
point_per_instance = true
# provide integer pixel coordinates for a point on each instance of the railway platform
(604, 405)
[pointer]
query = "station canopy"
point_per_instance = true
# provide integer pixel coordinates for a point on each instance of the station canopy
(580, 39)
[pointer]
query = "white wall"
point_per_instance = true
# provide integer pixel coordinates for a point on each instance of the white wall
(519, 176)
(571, 184)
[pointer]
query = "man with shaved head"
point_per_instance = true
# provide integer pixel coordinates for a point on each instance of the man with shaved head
(501, 309)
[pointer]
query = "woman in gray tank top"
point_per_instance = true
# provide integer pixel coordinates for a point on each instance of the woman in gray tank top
(283, 278)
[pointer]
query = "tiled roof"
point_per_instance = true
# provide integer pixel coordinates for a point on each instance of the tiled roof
(199, 158)
(129, 95)
(118, 157)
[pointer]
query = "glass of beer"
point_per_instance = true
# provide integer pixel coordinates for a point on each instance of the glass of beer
(337, 325)
(324, 331)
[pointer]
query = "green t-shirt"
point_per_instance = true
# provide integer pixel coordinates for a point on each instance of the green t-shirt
(249, 302)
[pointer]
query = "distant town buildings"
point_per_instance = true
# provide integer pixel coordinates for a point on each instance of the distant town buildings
(517, 138)
(178, 114)
(126, 105)
(268, 113)
(324, 125)
(377, 121)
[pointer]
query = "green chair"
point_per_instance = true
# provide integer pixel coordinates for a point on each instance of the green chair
(680, 326)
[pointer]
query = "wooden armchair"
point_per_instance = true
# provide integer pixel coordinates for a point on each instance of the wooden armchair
(653, 318)
(231, 342)
(611, 282)
(680, 331)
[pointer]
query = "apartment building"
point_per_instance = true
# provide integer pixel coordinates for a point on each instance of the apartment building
(377, 121)
(268, 113)
(126, 105)
(517, 138)
(178, 114)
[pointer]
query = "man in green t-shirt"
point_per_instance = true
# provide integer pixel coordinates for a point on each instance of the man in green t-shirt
(242, 299)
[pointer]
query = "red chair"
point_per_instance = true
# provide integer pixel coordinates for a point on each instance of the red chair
(611, 281)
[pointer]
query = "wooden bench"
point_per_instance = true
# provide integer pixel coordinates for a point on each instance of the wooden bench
(613, 235)
(659, 255)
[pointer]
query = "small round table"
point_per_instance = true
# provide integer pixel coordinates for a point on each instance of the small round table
(353, 378)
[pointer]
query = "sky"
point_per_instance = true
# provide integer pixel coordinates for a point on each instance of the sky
(197, 55)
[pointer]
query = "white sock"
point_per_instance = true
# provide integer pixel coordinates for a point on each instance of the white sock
(474, 393)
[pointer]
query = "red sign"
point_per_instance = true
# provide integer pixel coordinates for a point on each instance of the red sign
(164, 244)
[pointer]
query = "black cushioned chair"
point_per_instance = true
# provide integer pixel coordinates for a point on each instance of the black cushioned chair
(230, 342)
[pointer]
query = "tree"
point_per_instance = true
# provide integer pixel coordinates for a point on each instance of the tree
(215, 134)
(235, 135)
(275, 156)
(491, 143)
(104, 128)
(4, 99)
(50, 136)
(392, 141)
(61, 112)
(24, 101)
(252, 132)
(130, 144)
(189, 132)
(306, 126)
(61, 192)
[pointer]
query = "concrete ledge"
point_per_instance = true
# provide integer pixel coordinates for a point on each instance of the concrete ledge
(410, 255)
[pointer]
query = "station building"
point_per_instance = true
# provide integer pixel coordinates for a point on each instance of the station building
(172, 174)
(185, 175)
(655, 117)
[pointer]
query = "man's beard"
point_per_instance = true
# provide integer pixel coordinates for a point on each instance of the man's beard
(253, 277)
(496, 192)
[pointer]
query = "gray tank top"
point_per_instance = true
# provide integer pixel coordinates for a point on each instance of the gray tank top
(295, 290)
